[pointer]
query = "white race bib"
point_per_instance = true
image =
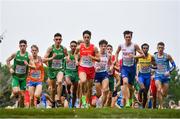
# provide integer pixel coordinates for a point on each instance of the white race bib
(36, 74)
(86, 61)
(161, 69)
(145, 69)
(100, 67)
(71, 65)
(128, 61)
(56, 64)
(20, 69)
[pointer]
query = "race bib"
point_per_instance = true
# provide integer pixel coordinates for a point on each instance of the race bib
(128, 61)
(71, 65)
(36, 74)
(145, 69)
(161, 69)
(101, 67)
(86, 61)
(20, 69)
(56, 64)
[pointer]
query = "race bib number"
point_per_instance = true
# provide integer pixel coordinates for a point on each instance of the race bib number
(56, 64)
(86, 61)
(71, 65)
(161, 68)
(145, 69)
(20, 69)
(128, 61)
(36, 74)
(101, 67)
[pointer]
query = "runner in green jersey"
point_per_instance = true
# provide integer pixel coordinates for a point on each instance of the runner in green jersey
(56, 66)
(19, 71)
(71, 74)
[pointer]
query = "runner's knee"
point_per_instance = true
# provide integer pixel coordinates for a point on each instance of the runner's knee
(37, 95)
(59, 82)
(105, 91)
(16, 92)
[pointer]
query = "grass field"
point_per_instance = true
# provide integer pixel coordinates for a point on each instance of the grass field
(89, 113)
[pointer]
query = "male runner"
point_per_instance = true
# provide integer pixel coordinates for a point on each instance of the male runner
(71, 74)
(19, 71)
(162, 73)
(144, 73)
(128, 71)
(56, 67)
(88, 54)
(101, 76)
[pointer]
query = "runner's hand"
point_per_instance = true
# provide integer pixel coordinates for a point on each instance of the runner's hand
(90, 56)
(167, 74)
(77, 63)
(11, 71)
(68, 58)
(130, 55)
(25, 62)
(98, 68)
(111, 68)
(54, 55)
(136, 77)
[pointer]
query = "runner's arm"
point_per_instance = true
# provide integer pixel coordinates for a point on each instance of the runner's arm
(117, 54)
(96, 58)
(65, 52)
(110, 63)
(31, 63)
(48, 52)
(172, 63)
(76, 55)
(154, 66)
(141, 54)
(48, 59)
(46, 56)
(9, 60)
(116, 68)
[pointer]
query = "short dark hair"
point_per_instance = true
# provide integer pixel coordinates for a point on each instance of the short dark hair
(161, 43)
(79, 42)
(145, 44)
(23, 41)
(73, 42)
(35, 46)
(57, 34)
(109, 46)
(87, 32)
(127, 32)
(103, 42)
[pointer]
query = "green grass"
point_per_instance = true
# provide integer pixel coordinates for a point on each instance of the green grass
(89, 113)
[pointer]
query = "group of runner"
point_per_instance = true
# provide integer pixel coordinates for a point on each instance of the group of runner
(87, 77)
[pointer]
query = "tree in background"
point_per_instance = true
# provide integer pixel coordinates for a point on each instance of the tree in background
(5, 85)
(174, 87)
